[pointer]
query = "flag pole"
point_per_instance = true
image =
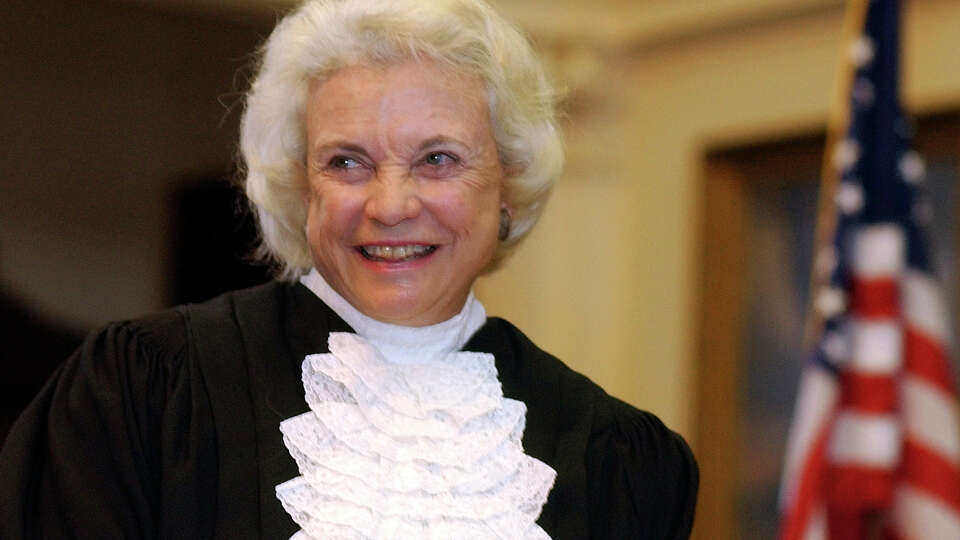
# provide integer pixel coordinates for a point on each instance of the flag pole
(838, 121)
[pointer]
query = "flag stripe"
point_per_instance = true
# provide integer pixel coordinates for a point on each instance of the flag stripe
(871, 441)
(923, 517)
(878, 252)
(805, 499)
(816, 400)
(927, 471)
(874, 298)
(868, 394)
(873, 486)
(875, 346)
(926, 360)
(930, 418)
(923, 306)
(817, 529)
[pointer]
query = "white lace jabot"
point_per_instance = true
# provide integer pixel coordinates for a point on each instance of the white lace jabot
(409, 437)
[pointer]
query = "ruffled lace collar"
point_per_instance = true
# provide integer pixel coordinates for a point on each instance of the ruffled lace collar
(408, 437)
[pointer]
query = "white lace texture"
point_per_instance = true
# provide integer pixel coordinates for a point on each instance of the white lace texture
(419, 449)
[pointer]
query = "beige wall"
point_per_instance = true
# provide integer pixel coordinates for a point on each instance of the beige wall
(608, 282)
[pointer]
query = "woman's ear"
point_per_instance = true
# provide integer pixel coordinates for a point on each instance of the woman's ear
(506, 220)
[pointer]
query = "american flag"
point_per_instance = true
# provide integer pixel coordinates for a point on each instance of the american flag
(874, 450)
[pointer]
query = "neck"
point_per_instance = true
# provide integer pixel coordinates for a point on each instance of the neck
(396, 342)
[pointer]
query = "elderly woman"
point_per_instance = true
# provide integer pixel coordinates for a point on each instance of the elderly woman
(394, 151)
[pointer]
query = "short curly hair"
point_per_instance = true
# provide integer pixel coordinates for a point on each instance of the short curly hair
(322, 36)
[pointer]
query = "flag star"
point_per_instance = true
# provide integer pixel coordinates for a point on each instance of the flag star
(846, 154)
(862, 51)
(831, 302)
(834, 345)
(912, 167)
(849, 197)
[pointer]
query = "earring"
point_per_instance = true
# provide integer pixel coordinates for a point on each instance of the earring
(505, 219)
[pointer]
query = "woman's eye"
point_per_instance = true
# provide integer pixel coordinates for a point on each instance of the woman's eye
(343, 162)
(439, 158)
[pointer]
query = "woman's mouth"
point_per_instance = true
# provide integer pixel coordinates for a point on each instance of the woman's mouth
(396, 253)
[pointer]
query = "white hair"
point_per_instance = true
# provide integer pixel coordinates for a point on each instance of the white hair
(322, 36)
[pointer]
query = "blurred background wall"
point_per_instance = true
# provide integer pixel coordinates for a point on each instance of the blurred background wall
(105, 108)
(114, 115)
(609, 279)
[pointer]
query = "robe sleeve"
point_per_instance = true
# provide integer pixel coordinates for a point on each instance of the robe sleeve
(642, 478)
(111, 445)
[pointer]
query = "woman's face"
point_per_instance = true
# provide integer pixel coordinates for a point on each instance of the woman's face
(404, 189)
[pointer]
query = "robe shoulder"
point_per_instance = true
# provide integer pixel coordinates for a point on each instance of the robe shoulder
(128, 437)
(635, 477)
(642, 476)
(121, 441)
(87, 453)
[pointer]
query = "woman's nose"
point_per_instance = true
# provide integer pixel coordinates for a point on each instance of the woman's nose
(393, 198)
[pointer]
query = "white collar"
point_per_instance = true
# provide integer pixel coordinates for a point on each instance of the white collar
(408, 437)
(403, 344)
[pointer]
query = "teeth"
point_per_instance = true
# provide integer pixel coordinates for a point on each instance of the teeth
(395, 253)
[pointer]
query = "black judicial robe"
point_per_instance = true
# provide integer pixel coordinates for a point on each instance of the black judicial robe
(168, 427)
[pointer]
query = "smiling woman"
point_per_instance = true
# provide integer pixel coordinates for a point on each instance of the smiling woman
(394, 152)
(406, 189)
